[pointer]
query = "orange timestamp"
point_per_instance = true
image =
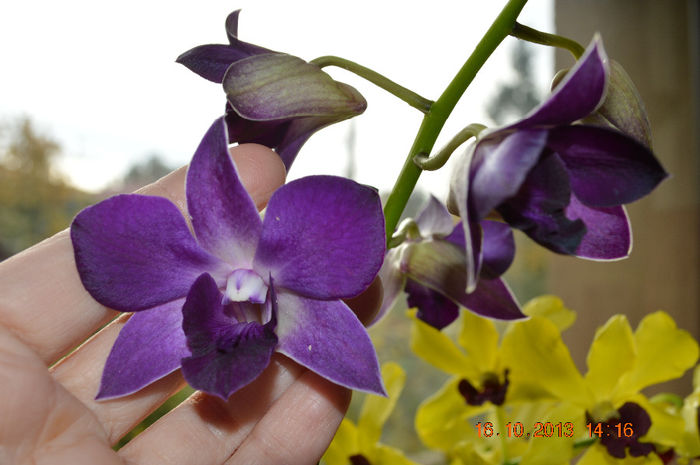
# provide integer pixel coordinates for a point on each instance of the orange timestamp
(517, 430)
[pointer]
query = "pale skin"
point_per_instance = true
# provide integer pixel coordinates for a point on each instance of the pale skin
(48, 414)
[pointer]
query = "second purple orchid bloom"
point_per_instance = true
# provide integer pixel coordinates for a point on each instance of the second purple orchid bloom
(219, 303)
(563, 183)
(430, 265)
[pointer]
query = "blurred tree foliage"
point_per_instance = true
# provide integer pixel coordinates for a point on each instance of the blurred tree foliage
(514, 99)
(35, 202)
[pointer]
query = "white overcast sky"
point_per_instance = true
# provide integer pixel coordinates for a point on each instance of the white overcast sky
(100, 77)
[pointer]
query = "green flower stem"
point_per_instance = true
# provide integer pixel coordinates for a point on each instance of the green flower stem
(438, 160)
(434, 120)
(533, 35)
(408, 229)
(407, 95)
(581, 443)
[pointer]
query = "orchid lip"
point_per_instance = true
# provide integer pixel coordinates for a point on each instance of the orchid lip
(245, 285)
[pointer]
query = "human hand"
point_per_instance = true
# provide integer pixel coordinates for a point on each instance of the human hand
(49, 415)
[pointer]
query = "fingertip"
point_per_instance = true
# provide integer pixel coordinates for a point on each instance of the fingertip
(260, 169)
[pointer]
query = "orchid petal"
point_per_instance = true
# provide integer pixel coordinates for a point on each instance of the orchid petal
(323, 237)
(447, 403)
(257, 88)
(326, 337)
(664, 352)
(286, 135)
(376, 410)
(606, 167)
(536, 355)
(460, 185)
(578, 95)
(612, 354)
(436, 348)
(344, 444)
(552, 308)
(149, 347)
(538, 209)
(498, 248)
(226, 354)
(124, 277)
(623, 106)
(433, 308)
(434, 219)
(479, 338)
(224, 216)
(393, 281)
(212, 61)
(498, 171)
(236, 43)
(608, 231)
(439, 265)
(457, 236)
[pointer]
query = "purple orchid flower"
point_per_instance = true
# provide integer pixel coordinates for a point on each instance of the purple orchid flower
(261, 108)
(220, 304)
(430, 266)
(563, 184)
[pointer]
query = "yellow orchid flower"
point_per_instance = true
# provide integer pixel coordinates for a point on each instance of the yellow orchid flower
(479, 415)
(359, 444)
(620, 364)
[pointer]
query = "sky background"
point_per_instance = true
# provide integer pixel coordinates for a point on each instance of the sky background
(100, 78)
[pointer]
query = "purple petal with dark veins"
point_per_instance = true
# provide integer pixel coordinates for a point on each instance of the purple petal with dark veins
(212, 61)
(607, 168)
(498, 248)
(538, 208)
(134, 252)
(433, 308)
(434, 219)
(579, 94)
(323, 237)
(608, 232)
(149, 346)
(258, 88)
(439, 265)
(327, 338)
(232, 33)
(226, 354)
(224, 217)
(498, 171)
(493, 299)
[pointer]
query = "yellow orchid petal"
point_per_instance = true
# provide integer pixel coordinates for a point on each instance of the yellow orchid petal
(376, 409)
(343, 446)
(467, 453)
(536, 356)
(436, 348)
(382, 454)
(667, 425)
(444, 419)
(611, 355)
(555, 445)
(552, 308)
(664, 352)
(690, 443)
(479, 337)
